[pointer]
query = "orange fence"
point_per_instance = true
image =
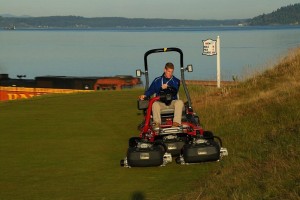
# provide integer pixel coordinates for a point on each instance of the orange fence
(13, 93)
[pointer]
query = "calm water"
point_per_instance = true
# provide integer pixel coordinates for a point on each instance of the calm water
(120, 51)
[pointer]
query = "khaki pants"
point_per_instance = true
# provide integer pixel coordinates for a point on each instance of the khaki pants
(175, 104)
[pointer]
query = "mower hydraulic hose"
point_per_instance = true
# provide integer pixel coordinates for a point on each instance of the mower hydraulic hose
(219, 139)
(148, 114)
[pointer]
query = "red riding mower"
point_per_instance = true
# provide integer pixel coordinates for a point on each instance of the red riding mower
(189, 143)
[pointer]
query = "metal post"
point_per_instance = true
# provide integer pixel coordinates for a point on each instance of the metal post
(218, 63)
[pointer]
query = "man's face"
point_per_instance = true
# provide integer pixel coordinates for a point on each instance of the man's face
(169, 73)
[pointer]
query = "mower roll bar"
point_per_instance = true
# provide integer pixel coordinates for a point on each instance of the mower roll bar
(169, 49)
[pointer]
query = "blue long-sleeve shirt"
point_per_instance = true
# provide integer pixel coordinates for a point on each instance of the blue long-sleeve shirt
(156, 85)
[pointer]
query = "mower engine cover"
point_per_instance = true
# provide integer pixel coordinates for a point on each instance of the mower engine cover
(174, 147)
(145, 155)
(173, 144)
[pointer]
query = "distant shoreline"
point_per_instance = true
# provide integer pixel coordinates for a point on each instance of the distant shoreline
(187, 28)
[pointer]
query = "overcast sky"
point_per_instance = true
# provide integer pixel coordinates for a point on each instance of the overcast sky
(169, 9)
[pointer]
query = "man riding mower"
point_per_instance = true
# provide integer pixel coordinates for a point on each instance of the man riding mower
(163, 83)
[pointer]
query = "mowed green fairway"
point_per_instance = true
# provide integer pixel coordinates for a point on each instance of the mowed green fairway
(70, 146)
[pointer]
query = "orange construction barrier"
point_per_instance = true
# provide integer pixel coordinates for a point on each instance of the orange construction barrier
(13, 93)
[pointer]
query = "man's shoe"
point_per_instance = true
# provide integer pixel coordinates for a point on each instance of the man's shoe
(156, 126)
(175, 124)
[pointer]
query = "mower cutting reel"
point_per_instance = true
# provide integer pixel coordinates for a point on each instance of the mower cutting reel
(189, 143)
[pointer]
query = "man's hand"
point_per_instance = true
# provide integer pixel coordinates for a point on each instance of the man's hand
(142, 97)
(164, 86)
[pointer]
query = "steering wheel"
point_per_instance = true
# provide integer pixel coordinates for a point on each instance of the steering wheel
(166, 95)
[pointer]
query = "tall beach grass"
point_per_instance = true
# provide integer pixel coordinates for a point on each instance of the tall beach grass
(259, 121)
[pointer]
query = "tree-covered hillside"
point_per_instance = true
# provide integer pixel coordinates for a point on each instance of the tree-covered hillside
(289, 15)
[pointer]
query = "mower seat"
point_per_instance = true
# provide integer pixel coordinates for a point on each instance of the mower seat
(167, 111)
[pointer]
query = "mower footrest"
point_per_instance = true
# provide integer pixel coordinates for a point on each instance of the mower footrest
(170, 130)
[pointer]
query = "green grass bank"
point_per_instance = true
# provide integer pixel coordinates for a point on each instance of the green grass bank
(70, 146)
(259, 121)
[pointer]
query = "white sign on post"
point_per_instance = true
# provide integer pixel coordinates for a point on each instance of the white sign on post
(210, 48)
